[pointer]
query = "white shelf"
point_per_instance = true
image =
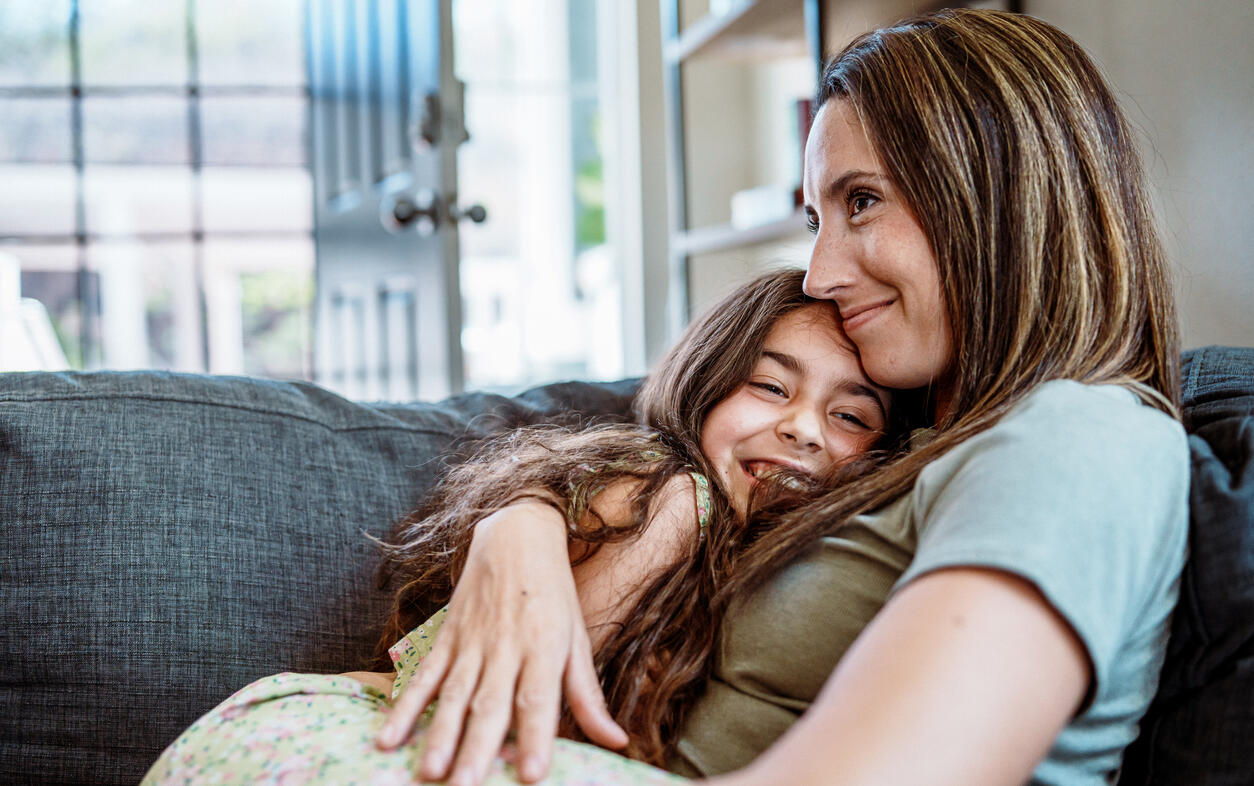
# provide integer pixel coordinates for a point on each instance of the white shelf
(750, 30)
(724, 237)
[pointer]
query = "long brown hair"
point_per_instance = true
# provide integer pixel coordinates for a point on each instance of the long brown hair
(1013, 155)
(654, 665)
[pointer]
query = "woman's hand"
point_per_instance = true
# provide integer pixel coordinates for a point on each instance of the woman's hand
(514, 637)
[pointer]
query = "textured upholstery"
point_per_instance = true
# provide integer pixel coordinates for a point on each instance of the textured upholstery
(170, 538)
(1200, 728)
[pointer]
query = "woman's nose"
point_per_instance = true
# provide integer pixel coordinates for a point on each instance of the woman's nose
(830, 268)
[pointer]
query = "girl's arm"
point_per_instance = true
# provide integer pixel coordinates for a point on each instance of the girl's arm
(610, 581)
(965, 677)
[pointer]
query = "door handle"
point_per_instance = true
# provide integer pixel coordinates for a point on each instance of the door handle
(476, 213)
(424, 211)
(399, 212)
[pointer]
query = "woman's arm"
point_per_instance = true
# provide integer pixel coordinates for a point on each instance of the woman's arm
(513, 644)
(965, 677)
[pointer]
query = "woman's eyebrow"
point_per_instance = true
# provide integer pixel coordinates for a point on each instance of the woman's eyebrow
(837, 188)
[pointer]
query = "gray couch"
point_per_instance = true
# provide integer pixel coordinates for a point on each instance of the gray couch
(170, 538)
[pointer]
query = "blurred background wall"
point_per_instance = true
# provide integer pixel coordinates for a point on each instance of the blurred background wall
(156, 192)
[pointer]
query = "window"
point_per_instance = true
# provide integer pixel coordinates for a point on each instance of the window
(541, 289)
(157, 195)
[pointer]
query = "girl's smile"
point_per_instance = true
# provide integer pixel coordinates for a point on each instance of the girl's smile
(806, 406)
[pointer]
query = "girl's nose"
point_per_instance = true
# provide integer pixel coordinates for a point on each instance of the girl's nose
(800, 427)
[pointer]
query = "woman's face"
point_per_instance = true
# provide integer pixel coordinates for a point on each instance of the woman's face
(872, 258)
(806, 405)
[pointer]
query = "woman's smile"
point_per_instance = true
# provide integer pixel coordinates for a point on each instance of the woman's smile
(854, 317)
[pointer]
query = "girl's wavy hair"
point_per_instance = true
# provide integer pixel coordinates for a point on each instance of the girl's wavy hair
(1013, 155)
(655, 664)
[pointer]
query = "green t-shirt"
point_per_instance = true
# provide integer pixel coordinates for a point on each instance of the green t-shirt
(1080, 489)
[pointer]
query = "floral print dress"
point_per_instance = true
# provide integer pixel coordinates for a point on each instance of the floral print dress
(320, 729)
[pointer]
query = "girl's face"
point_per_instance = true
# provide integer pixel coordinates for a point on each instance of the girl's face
(872, 258)
(806, 405)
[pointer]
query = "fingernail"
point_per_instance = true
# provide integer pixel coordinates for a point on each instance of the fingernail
(531, 767)
(387, 736)
(433, 763)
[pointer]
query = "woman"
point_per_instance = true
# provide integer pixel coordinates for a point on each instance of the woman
(992, 607)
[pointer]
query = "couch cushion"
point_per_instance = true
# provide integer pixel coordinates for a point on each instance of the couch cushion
(170, 538)
(1198, 730)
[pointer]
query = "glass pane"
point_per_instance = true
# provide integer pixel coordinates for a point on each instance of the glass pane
(260, 297)
(135, 129)
(34, 42)
(50, 275)
(123, 200)
(271, 199)
(489, 169)
(487, 35)
(244, 42)
(540, 289)
(257, 130)
(133, 42)
(149, 314)
(35, 129)
(37, 199)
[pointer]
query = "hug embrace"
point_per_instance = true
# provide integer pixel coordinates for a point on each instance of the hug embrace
(917, 515)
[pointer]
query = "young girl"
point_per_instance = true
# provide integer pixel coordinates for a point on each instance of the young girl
(761, 404)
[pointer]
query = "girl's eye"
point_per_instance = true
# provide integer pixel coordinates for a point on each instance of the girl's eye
(812, 224)
(852, 419)
(774, 390)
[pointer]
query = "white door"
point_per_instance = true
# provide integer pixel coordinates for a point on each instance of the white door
(385, 125)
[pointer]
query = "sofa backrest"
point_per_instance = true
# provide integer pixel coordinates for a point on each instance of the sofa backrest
(1200, 729)
(171, 538)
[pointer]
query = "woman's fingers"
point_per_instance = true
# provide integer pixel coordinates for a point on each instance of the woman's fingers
(444, 731)
(583, 694)
(537, 705)
(487, 721)
(417, 696)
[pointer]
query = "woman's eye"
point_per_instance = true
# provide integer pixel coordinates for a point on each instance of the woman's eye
(812, 224)
(860, 201)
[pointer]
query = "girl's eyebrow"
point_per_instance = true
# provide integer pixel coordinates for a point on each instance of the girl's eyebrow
(850, 386)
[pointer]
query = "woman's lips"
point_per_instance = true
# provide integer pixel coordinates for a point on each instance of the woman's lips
(861, 316)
